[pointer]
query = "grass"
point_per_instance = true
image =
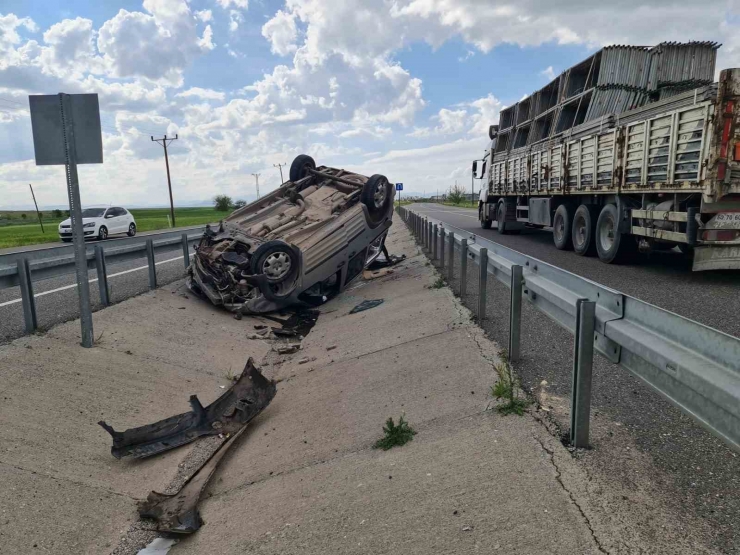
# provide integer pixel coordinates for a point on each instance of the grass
(507, 389)
(16, 231)
(439, 283)
(395, 435)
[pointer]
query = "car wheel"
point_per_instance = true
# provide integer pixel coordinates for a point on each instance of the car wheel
(300, 166)
(131, 230)
(562, 225)
(103, 233)
(278, 262)
(584, 229)
(377, 196)
(611, 245)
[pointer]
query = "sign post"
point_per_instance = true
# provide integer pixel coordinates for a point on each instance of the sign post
(399, 188)
(66, 131)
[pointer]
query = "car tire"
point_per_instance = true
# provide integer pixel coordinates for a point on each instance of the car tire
(611, 245)
(377, 196)
(300, 166)
(102, 233)
(583, 233)
(131, 230)
(278, 262)
(562, 225)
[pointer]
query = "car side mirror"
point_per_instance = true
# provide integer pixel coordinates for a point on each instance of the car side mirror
(108, 216)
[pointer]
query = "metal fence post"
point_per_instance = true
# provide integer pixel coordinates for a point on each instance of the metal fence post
(430, 232)
(583, 359)
(442, 248)
(435, 232)
(451, 265)
(102, 276)
(27, 298)
(463, 267)
(185, 250)
(150, 262)
(482, 283)
(515, 313)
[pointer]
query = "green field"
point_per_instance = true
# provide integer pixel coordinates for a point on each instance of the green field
(16, 231)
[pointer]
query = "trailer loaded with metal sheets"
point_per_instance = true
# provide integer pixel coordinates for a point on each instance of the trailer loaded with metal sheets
(633, 149)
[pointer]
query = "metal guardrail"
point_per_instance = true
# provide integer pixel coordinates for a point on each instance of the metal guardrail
(695, 367)
(23, 269)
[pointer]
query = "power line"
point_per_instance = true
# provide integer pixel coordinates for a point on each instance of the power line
(164, 142)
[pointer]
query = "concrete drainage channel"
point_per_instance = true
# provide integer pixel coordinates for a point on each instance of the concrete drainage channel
(630, 427)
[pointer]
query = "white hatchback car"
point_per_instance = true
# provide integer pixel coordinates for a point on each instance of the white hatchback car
(99, 223)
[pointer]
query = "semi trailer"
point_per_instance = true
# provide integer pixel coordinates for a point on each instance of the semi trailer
(634, 149)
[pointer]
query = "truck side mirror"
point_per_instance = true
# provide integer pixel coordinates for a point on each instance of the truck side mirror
(475, 168)
(492, 132)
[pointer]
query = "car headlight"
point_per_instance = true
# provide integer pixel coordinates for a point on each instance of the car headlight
(89, 224)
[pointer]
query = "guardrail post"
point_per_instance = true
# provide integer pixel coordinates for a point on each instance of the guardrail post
(463, 268)
(430, 232)
(451, 258)
(515, 313)
(442, 248)
(583, 359)
(185, 250)
(150, 262)
(27, 299)
(482, 283)
(435, 232)
(102, 276)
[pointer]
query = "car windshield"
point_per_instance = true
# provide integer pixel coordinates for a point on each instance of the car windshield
(93, 212)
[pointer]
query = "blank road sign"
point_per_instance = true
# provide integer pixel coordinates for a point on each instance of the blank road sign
(48, 135)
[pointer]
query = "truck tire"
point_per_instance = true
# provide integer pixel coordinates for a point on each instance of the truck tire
(484, 222)
(611, 245)
(584, 229)
(299, 166)
(562, 226)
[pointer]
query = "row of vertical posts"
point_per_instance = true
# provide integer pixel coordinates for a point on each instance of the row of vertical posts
(25, 279)
(429, 235)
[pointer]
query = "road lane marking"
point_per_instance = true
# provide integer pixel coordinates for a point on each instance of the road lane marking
(65, 287)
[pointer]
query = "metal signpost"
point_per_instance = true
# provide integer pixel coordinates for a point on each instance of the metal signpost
(66, 131)
(399, 188)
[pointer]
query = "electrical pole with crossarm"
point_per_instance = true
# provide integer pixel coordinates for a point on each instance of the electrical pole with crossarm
(164, 142)
(280, 167)
(257, 180)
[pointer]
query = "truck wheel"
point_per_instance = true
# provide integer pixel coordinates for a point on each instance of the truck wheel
(501, 219)
(299, 166)
(584, 229)
(562, 226)
(484, 223)
(611, 245)
(686, 249)
(377, 195)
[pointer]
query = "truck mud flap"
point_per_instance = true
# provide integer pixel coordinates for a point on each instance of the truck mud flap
(717, 258)
(228, 414)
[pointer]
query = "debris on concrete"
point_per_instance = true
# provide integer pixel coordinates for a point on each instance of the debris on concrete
(159, 546)
(304, 360)
(287, 349)
(375, 274)
(331, 347)
(244, 400)
(366, 305)
(178, 513)
(386, 260)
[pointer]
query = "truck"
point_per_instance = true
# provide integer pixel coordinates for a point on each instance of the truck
(635, 149)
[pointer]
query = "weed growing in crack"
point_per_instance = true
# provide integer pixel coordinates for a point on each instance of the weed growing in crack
(439, 283)
(395, 435)
(230, 375)
(507, 389)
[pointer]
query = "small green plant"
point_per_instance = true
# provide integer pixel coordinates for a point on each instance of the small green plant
(439, 283)
(506, 389)
(395, 435)
(230, 375)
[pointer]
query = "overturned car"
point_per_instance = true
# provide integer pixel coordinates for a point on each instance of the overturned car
(302, 243)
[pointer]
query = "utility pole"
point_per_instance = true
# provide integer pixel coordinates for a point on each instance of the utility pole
(257, 180)
(37, 209)
(164, 142)
(280, 167)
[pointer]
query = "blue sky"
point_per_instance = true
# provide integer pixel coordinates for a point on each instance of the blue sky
(406, 88)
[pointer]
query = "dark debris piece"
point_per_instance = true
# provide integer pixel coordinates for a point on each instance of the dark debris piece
(366, 305)
(244, 400)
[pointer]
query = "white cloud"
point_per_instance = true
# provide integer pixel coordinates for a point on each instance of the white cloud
(548, 73)
(204, 15)
(208, 94)
(282, 33)
(235, 18)
(225, 4)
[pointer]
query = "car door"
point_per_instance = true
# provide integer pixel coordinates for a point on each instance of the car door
(109, 220)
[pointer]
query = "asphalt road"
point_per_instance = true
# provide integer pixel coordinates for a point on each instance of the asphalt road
(664, 279)
(57, 301)
(695, 473)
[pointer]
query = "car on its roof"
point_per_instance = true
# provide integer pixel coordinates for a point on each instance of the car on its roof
(302, 243)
